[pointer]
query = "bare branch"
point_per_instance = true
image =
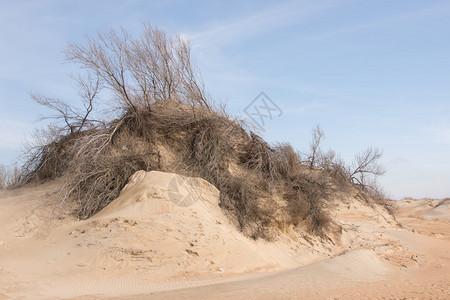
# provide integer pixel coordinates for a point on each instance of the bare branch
(366, 167)
(317, 137)
(62, 110)
(153, 67)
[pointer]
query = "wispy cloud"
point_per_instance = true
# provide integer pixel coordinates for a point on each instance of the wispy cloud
(279, 16)
(399, 160)
(209, 43)
(408, 16)
(260, 22)
(303, 109)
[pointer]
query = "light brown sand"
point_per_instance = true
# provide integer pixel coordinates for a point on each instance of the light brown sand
(151, 243)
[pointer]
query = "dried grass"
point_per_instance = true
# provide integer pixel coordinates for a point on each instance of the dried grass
(163, 113)
(97, 163)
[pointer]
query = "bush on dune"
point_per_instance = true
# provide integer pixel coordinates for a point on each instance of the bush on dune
(165, 121)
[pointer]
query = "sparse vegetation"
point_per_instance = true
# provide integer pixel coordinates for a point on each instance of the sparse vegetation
(9, 176)
(362, 172)
(366, 167)
(164, 121)
(317, 137)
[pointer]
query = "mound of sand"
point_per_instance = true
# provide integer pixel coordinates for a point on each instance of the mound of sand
(440, 212)
(153, 193)
(429, 209)
(166, 236)
(413, 207)
(164, 231)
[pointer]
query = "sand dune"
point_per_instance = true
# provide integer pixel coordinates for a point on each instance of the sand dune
(165, 237)
(440, 212)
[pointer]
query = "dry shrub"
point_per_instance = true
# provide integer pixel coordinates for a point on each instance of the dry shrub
(47, 159)
(98, 162)
(98, 182)
(163, 112)
(279, 172)
(305, 200)
(9, 176)
(287, 160)
(100, 167)
(258, 157)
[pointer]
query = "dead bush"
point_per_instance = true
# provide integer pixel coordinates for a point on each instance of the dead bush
(154, 67)
(163, 112)
(258, 158)
(315, 152)
(98, 162)
(305, 196)
(9, 176)
(287, 160)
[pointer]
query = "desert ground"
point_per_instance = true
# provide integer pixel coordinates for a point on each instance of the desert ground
(165, 237)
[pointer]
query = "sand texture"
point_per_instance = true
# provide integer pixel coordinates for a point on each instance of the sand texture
(165, 237)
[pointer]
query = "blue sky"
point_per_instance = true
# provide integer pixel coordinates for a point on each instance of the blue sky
(371, 73)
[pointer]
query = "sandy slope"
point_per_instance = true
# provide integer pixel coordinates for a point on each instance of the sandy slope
(439, 212)
(165, 237)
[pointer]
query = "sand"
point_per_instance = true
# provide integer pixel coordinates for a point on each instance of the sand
(165, 237)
